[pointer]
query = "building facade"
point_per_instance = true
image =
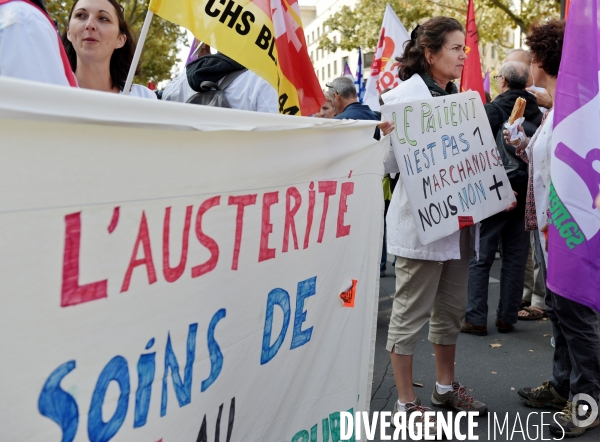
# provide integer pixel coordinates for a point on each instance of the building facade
(329, 65)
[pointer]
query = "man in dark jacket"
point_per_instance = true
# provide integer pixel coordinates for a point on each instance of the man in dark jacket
(510, 87)
(346, 105)
(508, 227)
(345, 101)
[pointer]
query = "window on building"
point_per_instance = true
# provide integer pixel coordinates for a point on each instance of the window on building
(334, 40)
(317, 54)
(311, 57)
(313, 35)
(367, 60)
(329, 71)
(344, 61)
(317, 73)
(323, 73)
(335, 67)
(318, 32)
(493, 52)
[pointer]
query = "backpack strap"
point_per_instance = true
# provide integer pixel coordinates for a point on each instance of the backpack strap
(63, 55)
(208, 85)
(228, 79)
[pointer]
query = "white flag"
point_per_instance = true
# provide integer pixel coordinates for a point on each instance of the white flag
(384, 69)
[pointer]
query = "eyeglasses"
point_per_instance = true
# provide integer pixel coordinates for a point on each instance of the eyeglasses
(498, 77)
(332, 89)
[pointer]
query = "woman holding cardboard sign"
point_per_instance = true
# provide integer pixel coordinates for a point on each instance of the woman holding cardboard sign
(431, 280)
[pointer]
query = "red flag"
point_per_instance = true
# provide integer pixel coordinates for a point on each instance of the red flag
(471, 78)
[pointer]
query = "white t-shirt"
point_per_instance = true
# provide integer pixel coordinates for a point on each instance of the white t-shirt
(137, 90)
(247, 92)
(29, 45)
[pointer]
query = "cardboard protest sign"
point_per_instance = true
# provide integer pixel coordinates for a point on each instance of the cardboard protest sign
(161, 283)
(449, 163)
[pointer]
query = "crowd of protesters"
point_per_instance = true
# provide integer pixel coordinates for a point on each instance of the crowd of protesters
(444, 283)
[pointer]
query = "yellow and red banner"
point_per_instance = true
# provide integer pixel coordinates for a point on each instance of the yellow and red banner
(264, 36)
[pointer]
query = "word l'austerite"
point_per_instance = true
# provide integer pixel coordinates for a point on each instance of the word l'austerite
(329, 192)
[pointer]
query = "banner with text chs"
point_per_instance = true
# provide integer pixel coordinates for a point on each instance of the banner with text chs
(449, 163)
(265, 36)
(161, 283)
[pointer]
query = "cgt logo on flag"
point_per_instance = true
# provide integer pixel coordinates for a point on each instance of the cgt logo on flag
(384, 68)
(349, 295)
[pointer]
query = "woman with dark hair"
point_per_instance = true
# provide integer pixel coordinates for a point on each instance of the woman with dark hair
(100, 47)
(431, 280)
(29, 45)
(576, 361)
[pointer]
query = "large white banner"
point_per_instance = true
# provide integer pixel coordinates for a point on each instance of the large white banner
(384, 68)
(161, 283)
(448, 162)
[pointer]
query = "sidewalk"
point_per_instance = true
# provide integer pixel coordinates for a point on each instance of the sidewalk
(493, 374)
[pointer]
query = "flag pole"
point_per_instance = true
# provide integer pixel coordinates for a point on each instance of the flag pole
(138, 52)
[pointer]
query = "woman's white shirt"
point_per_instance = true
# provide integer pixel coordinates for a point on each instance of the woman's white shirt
(29, 45)
(137, 90)
(402, 237)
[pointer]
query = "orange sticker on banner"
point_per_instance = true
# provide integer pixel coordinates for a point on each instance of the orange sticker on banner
(349, 295)
(465, 221)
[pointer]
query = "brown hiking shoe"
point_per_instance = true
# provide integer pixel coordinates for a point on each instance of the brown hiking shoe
(416, 407)
(569, 425)
(458, 398)
(543, 396)
(477, 330)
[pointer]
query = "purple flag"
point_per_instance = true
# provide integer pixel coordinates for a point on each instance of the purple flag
(347, 72)
(574, 225)
(486, 82)
(193, 56)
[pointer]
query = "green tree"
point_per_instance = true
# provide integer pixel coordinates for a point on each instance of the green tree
(160, 50)
(360, 27)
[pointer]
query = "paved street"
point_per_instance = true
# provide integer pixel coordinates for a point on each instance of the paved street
(493, 374)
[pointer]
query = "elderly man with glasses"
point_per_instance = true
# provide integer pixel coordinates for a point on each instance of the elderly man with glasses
(345, 101)
(505, 227)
